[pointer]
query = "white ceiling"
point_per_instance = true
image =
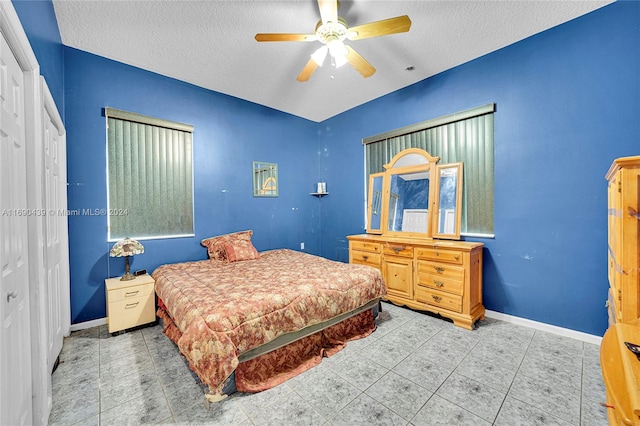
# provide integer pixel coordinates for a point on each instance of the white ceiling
(211, 43)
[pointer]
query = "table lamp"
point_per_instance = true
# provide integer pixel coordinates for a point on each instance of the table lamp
(126, 248)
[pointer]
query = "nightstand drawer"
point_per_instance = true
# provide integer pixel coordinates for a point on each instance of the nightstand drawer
(131, 292)
(131, 313)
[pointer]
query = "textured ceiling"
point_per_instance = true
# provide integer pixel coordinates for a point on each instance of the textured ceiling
(211, 43)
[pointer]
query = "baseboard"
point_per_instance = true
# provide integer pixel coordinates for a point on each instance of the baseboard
(88, 324)
(578, 335)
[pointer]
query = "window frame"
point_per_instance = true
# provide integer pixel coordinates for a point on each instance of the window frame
(433, 136)
(158, 144)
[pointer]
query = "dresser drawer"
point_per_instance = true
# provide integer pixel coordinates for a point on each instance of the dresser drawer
(440, 299)
(131, 313)
(401, 250)
(365, 258)
(365, 246)
(439, 255)
(441, 276)
(126, 293)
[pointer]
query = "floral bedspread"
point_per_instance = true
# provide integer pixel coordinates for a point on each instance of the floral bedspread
(224, 309)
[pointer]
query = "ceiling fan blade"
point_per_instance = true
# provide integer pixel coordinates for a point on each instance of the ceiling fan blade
(399, 24)
(328, 10)
(307, 70)
(285, 37)
(359, 63)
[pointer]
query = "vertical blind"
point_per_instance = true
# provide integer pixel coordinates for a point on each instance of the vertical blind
(150, 176)
(466, 136)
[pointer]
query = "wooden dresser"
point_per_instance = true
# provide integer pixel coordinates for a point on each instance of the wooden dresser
(444, 277)
(620, 367)
(623, 247)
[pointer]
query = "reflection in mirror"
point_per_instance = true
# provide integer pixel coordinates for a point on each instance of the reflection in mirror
(265, 179)
(375, 200)
(408, 202)
(449, 195)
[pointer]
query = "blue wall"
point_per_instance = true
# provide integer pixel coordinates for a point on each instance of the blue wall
(39, 22)
(568, 103)
(229, 134)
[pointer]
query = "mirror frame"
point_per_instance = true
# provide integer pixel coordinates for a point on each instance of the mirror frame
(458, 214)
(402, 163)
(416, 160)
(370, 200)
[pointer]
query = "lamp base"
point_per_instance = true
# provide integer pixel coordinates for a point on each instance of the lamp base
(127, 277)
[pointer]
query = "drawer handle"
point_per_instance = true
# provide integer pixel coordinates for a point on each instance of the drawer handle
(436, 298)
(11, 295)
(397, 249)
(131, 305)
(456, 257)
(131, 293)
(439, 269)
(365, 257)
(438, 283)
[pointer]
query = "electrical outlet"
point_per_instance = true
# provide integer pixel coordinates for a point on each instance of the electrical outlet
(301, 246)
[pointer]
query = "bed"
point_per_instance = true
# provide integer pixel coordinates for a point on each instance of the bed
(258, 319)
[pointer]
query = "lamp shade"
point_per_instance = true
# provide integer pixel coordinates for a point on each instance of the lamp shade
(126, 247)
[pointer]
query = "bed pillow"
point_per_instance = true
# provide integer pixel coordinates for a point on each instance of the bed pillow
(240, 250)
(215, 245)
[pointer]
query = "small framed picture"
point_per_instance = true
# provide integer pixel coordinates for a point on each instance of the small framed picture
(265, 179)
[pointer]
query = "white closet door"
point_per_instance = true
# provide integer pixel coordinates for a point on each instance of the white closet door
(56, 230)
(15, 345)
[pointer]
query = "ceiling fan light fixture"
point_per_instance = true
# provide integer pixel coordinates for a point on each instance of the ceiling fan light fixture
(338, 52)
(319, 55)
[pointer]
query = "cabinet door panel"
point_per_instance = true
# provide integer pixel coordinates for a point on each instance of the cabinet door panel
(397, 273)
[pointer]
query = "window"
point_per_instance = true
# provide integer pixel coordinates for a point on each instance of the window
(149, 177)
(465, 136)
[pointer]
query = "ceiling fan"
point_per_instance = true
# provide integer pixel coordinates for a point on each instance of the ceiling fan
(332, 31)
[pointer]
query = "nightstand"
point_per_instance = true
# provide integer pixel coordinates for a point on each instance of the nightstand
(130, 303)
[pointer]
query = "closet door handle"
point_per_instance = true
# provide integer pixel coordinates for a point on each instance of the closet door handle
(11, 295)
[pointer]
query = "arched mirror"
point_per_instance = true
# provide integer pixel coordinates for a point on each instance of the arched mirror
(415, 197)
(408, 192)
(374, 219)
(449, 196)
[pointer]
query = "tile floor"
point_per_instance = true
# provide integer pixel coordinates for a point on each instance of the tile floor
(415, 369)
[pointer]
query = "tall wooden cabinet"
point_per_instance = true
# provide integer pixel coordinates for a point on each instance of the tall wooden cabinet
(624, 233)
(414, 212)
(620, 367)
